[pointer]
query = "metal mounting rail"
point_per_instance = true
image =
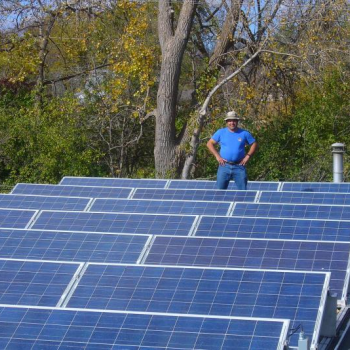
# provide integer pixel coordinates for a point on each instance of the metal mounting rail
(67, 294)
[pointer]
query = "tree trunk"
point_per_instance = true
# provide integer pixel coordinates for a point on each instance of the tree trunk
(44, 34)
(194, 144)
(165, 142)
(173, 44)
(226, 38)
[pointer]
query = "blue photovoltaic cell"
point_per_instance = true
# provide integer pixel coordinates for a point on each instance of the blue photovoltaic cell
(200, 195)
(77, 191)
(113, 182)
(118, 223)
(34, 283)
(42, 202)
(160, 207)
(242, 293)
(305, 198)
(15, 218)
(71, 246)
(22, 328)
(316, 187)
(255, 254)
(299, 229)
(302, 211)
(211, 185)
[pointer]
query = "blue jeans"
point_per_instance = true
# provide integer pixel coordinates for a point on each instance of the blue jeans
(228, 172)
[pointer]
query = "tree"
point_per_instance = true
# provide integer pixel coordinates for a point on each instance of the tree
(102, 54)
(118, 97)
(102, 58)
(173, 43)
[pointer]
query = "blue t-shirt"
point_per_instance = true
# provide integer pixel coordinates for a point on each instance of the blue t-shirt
(232, 144)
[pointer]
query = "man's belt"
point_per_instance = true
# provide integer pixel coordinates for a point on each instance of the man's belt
(233, 163)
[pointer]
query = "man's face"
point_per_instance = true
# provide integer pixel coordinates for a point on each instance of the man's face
(232, 124)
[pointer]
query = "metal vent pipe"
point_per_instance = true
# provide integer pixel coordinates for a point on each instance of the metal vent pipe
(338, 150)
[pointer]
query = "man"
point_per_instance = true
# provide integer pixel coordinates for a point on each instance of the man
(232, 157)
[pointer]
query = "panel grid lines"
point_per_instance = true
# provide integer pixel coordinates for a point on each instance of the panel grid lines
(113, 182)
(274, 228)
(201, 195)
(114, 222)
(258, 254)
(34, 283)
(71, 246)
(231, 292)
(97, 330)
(303, 211)
(305, 198)
(72, 191)
(15, 201)
(160, 206)
(316, 187)
(15, 218)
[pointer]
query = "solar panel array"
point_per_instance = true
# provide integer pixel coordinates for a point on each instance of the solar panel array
(102, 263)
(16, 218)
(43, 202)
(255, 254)
(78, 191)
(264, 294)
(199, 195)
(316, 187)
(112, 222)
(301, 211)
(160, 206)
(274, 228)
(108, 182)
(71, 246)
(25, 328)
(34, 283)
(305, 198)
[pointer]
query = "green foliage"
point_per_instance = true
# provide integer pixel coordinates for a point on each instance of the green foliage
(295, 104)
(43, 145)
(297, 146)
(99, 133)
(20, 58)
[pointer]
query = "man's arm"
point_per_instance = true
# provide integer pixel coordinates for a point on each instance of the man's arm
(211, 147)
(253, 148)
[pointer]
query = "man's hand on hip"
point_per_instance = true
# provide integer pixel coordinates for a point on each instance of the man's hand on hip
(245, 160)
(221, 161)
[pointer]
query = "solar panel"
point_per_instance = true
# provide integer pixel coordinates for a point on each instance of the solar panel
(118, 223)
(34, 283)
(305, 198)
(210, 185)
(316, 186)
(160, 206)
(113, 182)
(77, 191)
(71, 246)
(43, 202)
(256, 254)
(299, 229)
(200, 195)
(310, 211)
(15, 218)
(298, 296)
(35, 328)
